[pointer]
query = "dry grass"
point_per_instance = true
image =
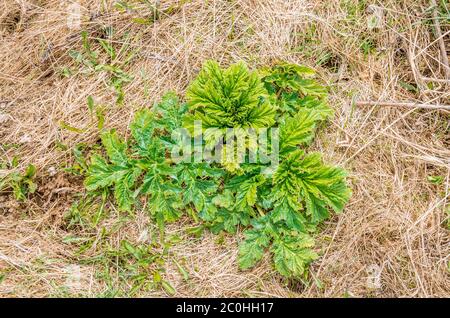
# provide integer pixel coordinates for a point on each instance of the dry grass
(396, 220)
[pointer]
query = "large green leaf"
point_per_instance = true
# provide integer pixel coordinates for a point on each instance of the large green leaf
(321, 186)
(246, 188)
(101, 174)
(305, 178)
(288, 211)
(224, 200)
(228, 220)
(170, 112)
(292, 254)
(292, 78)
(285, 194)
(298, 130)
(165, 202)
(319, 105)
(198, 191)
(292, 102)
(232, 97)
(285, 177)
(159, 177)
(123, 190)
(142, 129)
(165, 206)
(252, 249)
(309, 87)
(198, 183)
(115, 148)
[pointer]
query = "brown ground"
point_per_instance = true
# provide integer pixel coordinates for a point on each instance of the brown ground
(396, 220)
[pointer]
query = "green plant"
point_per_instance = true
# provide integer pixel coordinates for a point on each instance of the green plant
(125, 267)
(447, 212)
(136, 263)
(279, 206)
(21, 184)
(148, 11)
(86, 212)
(435, 179)
(229, 98)
(368, 46)
(108, 60)
(293, 88)
(128, 267)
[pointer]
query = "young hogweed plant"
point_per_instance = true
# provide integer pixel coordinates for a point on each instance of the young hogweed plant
(279, 205)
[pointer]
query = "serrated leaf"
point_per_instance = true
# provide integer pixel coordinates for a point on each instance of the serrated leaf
(285, 177)
(322, 186)
(209, 212)
(232, 97)
(165, 207)
(309, 87)
(115, 148)
(224, 200)
(142, 129)
(197, 192)
(154, 181)
(226, 220)
(197, 189)
(306, 178)
(289, 212)
(123, 192)
(246, 187)
(286, 76)
(298, 130)
(292, 102)
(170, 111)
(292, 254)
(101, 175)
(320, 106)
(252, 249)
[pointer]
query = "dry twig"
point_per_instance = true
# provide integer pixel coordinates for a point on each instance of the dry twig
(407, 105)
(437, 27)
